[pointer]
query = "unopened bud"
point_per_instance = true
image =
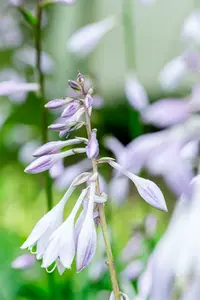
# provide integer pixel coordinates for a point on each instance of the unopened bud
(74, 85)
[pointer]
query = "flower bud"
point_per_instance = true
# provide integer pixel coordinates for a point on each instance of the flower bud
(74, 85)
(80, 79)
(92, 149)
(71, 109)
(57, 103)
(88, 101)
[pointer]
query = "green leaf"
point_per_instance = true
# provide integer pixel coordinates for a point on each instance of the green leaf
(28, 17)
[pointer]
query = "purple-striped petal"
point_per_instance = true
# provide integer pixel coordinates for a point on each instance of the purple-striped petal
(147, 189)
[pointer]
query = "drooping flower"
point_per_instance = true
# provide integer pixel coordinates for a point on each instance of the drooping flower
(166, 112)
(86, 241)
(46, 226)
(62, 241)
(85, 40)
(135, 93)
(147, 189)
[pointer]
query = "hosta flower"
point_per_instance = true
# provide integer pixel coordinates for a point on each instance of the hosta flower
(86, 241)
(8, 88)
(173, 73)
(62, 242)
(135, 93)
(147, 189)
(85, 39)
(46, 226)
(191, 27)
(46, 162)
(166, 112)
(23, 262)
(92, 149)
(54, 147)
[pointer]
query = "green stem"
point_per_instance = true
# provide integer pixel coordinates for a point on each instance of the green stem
(110, 263)
(128, 34)
(41, 95)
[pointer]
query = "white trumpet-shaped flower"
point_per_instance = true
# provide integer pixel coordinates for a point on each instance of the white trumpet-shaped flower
(85, 39)
(62, 242)
(147, 189)
(86, 240)
(46, 226)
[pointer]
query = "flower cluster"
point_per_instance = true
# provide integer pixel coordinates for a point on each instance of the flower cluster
(56, 241)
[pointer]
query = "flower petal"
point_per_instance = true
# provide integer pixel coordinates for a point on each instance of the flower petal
(135, 93)
(85, 39)
(147, 189)
(166, 112)
(173, 73)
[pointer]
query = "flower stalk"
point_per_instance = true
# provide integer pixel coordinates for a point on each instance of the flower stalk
(110, 263)
(41, 95)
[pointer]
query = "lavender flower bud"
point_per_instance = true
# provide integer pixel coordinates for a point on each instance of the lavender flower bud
(57, 103)
(54, 147)
(71, 109)
(80, 79)
(92, 149)
(46, 162)
(41, 164)
(88, 101)
(74, 85)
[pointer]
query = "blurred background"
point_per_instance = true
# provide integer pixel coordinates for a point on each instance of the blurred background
(156, 40)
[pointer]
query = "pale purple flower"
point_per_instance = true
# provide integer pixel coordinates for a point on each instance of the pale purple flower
(8, 88)
(191, 28)
(133, 269)
(92, 149)
(57, 103)
(135, 93)
(62, 241)
(86, 241)
(26, 56)
(67, 2)
(23, 262)
(166, 112)
(54, 146)
(173, 73)
(85, 39)
(147, 189)
(46, 162)
(133, 247)
(71, 109)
